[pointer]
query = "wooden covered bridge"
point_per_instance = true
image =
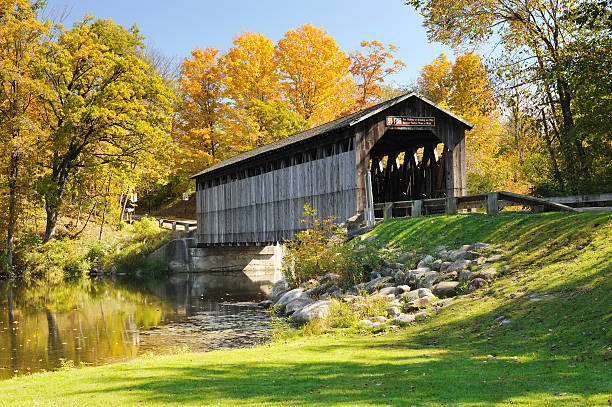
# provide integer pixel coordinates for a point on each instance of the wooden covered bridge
(405, 148)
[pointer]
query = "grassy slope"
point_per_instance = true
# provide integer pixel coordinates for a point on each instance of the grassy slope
(553, 352)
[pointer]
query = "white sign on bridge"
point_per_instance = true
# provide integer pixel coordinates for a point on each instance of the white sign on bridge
(410, 121)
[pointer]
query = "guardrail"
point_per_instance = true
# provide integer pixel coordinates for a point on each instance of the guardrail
(493, 202)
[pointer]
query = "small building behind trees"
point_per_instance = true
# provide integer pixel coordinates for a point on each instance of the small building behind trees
(403, 149)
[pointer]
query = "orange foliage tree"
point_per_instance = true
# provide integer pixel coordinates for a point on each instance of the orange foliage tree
(371, 70)
(199, 130)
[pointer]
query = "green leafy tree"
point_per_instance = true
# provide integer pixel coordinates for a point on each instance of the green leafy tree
(105, 105)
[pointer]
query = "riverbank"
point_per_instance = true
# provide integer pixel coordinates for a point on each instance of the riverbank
(555, 348)
(123, 249)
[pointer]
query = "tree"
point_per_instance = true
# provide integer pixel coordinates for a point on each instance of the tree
(316, 81)
(200, 135)
(20, 38)
(250, 69)
(372, 69)
(104, 105)
(434, 82)
(537, 36)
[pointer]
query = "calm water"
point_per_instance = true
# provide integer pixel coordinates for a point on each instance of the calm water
(43, 327)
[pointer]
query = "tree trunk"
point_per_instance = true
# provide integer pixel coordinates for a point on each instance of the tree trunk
(13, 172)
(52, 212)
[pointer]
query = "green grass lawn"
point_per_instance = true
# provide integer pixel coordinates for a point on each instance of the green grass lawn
(555, 351)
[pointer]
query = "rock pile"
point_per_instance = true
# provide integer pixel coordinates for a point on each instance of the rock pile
(443, 274)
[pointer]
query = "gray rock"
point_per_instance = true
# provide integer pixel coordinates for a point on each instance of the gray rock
(444, 255)
(393, 311)
(444, 266)
(466, 275)
(425, 292)
(386, 291)
(426, 261)
(376, 283)
(438, 249)
(265, 304)
(387, 272)
(429, 280)
(403, 319)
(378, 318)
(495, 258)
(316, 310)
(278, 290)
(470, 255)
(475, 284)
(289, 296)
(297, 304)
(465, 247)
(446, 289)
(332, 278)
(436, 265)
(488, 274)
(401, 289)
(410, 296)
(417, 304)
(458, 265)
(451, 275)
(456, 255)
(419, 316)
(399, 277)
(414, 276)
(356, 289)
(374, 275)
(478, 247)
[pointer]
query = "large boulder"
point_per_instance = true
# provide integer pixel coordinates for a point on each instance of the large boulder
(466, 275)
(386, 291)
(436, 265)
(456, 255)
(444, 266)
(377, 283)
(417, 304)
(332, 278)
(489, 274)
(297, 304)
(458, 265)
(446, 289)
(429, 279)
(310, 312)
(403, 319)
(470, 255)
(278, 290)
(476, 284)
(426, 261)
(393, 311)
(289, 296)
(478, 247)
(401, 289)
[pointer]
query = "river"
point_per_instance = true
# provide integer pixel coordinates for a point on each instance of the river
(88, 323)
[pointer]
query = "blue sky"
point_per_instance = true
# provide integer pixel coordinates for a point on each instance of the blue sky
(176, 27)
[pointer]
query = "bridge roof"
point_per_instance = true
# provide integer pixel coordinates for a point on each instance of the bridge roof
(343, 122)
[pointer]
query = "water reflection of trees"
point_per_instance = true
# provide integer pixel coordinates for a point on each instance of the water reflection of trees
(86, 321)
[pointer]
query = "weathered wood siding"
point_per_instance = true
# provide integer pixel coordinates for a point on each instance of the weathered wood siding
(268, 207)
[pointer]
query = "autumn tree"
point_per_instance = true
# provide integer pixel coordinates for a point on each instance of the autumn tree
(200, 129)
(539, 40)
(371, 69)
(104, 105)
(20, 38)
(315, 76)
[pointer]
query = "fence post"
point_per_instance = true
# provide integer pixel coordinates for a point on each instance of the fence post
(492, 203)
(451, 205)
(174, 226)
(388, 212)
(417, 207)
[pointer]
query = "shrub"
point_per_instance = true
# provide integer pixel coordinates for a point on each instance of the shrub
(314, 251)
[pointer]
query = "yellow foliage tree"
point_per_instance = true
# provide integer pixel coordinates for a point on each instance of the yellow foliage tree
(315, 74)
(464, 87)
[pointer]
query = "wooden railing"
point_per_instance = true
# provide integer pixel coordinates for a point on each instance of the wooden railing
(493, 202)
